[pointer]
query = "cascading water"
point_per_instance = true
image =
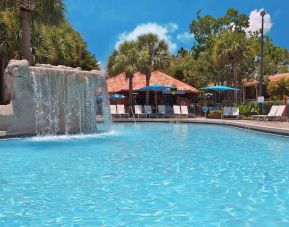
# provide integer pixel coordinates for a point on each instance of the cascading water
(65, 101)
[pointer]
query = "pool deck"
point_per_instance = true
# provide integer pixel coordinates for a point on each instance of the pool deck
(273, 127)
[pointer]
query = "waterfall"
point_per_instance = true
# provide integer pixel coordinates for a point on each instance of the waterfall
(65, 100)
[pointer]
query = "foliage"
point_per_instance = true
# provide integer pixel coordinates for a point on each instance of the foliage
(146, 54)
(53, 40)
(224, 53)
(277, 89)
(247, 109)
(216, 114)
(125, 59)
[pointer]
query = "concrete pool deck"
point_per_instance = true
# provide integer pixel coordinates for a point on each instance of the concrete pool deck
(273, 127)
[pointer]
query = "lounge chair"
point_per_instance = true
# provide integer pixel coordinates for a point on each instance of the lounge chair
(121, 111)
(280, 111)
(138, 110)
(162, 111)
(231, 112)
(271, 114)
(148, 110)
(185, 111)
(113, 109)
(177, 110)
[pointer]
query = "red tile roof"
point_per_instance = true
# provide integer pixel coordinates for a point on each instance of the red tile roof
(119, 83)
(250, 83)
(278, 76)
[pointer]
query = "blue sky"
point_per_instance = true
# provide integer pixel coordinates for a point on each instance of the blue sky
(105, 23)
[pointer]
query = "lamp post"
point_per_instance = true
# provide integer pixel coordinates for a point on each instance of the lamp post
(261, 78)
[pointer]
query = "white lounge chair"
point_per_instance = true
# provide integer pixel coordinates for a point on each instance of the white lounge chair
(271, 113)
(121, 110)
(280, 111)
(231, 112)
(185, 111)
(148, 110)
(162, 111)
(177, 110)
(138, 110)
(113, 109)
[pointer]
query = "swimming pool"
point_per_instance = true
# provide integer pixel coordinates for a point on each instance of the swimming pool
(156, 174)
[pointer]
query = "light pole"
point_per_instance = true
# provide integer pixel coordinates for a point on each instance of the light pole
(261, 78)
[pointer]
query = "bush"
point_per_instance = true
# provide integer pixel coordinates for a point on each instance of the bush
(251, 108)
(247, 109)
(216, 114)
(277, 89)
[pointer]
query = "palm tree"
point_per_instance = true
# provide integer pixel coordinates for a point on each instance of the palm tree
(153, 55)
(231, 48)
(125, 59)
(26, 6)
(41, 11)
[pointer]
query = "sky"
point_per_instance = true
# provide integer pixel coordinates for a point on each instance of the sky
(104, 24)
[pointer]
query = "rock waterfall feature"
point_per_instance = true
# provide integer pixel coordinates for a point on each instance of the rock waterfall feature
(51, 100)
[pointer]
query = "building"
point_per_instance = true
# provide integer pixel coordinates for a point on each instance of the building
(184, 93)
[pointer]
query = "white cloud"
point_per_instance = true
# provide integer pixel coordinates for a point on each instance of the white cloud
(256, 21)
(185, 37)
(162, 31)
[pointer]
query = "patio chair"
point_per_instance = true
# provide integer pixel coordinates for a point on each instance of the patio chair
(177, 110)
(235, 112)
(271, 114)
(138, 110)
(121, 110)
(231, 112)
(162, 111)
(113, 110)
(148, 110)
(280, 111)
(185, 111)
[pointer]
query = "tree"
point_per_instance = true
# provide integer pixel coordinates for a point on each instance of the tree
(205, 28)
(50, 44)
(44, 11)
(231, 48)
(153, 55)
(277, 89)
(125, 59)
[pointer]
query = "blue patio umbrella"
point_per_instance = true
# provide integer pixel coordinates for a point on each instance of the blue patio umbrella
(155, 87)
(117, 96)
(220, 89)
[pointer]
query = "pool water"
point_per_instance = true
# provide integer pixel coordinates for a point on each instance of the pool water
(150, 174)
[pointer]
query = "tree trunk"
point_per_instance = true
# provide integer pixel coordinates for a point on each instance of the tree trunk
(26, 35)
(148, 76)
(130, 91)
(235, 76)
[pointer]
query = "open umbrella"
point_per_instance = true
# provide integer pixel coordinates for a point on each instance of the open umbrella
(117, 96)
(219, 89)
(156, 88)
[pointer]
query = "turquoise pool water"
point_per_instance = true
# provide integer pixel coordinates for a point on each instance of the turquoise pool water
(147, 174)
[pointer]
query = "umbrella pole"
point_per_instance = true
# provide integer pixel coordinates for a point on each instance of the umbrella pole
(156, 98)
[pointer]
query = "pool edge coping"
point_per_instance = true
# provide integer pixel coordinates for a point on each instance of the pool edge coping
(242, 125)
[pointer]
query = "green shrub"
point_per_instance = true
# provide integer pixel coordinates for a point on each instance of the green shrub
(277, 89)
(251, 108)
(247, 109)
(216, 114)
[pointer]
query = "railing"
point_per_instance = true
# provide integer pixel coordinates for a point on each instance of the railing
(133, 115)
